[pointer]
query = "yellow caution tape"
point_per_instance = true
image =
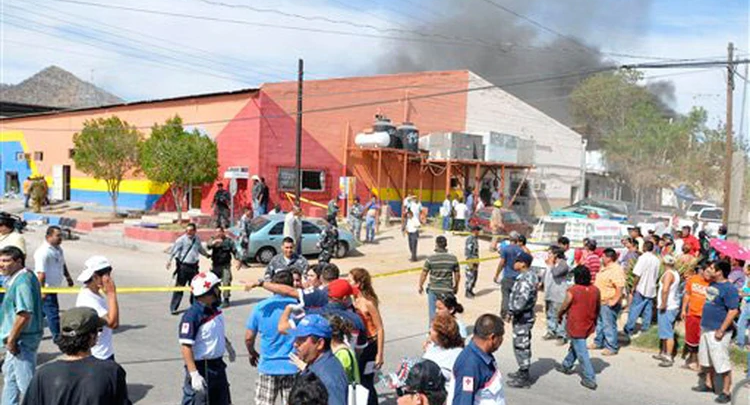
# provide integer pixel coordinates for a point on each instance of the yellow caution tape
(142, 290)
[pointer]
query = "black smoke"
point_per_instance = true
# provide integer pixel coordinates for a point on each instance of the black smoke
(506, 49)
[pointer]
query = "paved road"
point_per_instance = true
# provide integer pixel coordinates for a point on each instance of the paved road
(146, 343)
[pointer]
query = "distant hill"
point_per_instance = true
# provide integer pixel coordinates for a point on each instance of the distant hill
(56, 87)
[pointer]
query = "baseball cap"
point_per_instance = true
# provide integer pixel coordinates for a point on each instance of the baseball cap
(255, 177)
(312, 325)
(91, 266)
(80, 321)
(525, 257)
(423, 377)
(339, 288)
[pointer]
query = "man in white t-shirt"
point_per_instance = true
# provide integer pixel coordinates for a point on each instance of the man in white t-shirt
(413, 223)
(646, 272)
(96, 276)
(462, 210)
(50, 269)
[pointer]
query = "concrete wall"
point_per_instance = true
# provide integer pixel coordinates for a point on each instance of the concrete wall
(52, 134)
(558, 148)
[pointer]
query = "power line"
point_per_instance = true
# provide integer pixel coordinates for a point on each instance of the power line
(452, 41)
(215, 58)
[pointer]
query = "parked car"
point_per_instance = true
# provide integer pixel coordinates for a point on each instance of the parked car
(268, 233)
(697, 206)
(619, 208)
(710, 219)
(585, 211)
(511, 221)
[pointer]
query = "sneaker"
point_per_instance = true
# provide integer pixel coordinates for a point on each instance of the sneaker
(470, 294)
(701, 388)
(549, 336)
(562, 341)
(225, 303)
(723, 398)
(564, 370)
(589, 384)
(659, 357)
(514, 375)
(666, 363)
(607, 352)
(593, 346)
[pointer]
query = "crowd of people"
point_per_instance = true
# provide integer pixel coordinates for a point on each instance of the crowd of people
(319, 337)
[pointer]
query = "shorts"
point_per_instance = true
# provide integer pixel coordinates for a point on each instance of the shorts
(272, 388)
(666, 321)
(715, 353)
(692, 330)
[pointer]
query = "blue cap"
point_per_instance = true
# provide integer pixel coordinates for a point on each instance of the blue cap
(312, 325)
(525, 257)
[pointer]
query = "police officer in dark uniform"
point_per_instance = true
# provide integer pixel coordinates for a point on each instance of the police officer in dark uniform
(471, 251)
(203, 344)
(222, 200)
(521, 309)
(329, 240)
(222, 250)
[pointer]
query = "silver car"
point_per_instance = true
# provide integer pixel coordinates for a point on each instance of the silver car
(268, 233)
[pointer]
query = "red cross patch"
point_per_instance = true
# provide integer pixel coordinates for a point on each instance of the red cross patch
(207, 284)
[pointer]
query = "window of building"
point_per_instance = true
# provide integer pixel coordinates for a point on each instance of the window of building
(20, 156)
(312, 180)
(71, 153)
(38, 156)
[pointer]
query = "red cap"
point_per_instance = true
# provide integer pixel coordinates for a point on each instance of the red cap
(339, 288)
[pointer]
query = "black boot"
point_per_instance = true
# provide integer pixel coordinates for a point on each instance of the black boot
(523, 380)
(516, 374)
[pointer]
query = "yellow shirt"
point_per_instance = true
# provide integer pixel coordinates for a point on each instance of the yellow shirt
(609, 280)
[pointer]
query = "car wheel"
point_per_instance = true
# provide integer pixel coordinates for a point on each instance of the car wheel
(265, 255)
(342, 249)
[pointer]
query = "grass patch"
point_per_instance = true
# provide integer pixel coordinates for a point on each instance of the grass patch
(650, 340)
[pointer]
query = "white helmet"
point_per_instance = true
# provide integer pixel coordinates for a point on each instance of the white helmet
(203, 283)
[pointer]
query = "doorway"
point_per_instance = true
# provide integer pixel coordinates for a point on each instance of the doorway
(12, 184)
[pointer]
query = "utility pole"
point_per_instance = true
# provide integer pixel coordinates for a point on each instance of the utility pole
(728, 158)
(298, 166)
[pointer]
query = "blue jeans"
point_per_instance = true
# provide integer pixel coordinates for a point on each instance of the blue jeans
(606, 328)
(431, 300)
(742, 325)
(578, 351)
(370, 229)
(51, 310)
(640, 306)
(554, 327)
(446, 223)
(258, 209)
(17, 371)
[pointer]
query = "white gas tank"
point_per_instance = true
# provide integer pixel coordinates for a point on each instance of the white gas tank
(373, 140)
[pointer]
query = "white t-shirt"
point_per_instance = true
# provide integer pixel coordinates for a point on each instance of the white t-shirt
(445, 358)
(647, 268)
(461, 210)
(87, 298)
(50, 261)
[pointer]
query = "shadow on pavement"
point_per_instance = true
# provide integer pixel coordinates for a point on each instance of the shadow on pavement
(599, 365)
(125, 328)
(137, 392)
(243, 302)
(541, 367)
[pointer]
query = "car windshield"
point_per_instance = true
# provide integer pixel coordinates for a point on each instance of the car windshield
(258, 223)
(614, 206)
(697, 207)
(711, 214)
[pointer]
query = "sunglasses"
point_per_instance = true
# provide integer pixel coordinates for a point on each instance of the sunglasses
(404, 391)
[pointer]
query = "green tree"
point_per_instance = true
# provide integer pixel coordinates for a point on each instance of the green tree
(179, 158)
(107, 149)
(602, 103)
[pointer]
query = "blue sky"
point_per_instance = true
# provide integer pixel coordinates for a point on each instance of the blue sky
(142, 56)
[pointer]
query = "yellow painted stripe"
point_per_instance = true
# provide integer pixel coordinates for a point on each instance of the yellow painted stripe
(17, 136)
(134, 186)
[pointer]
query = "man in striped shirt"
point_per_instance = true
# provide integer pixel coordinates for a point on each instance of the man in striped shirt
(591, 259)
(443, 269)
